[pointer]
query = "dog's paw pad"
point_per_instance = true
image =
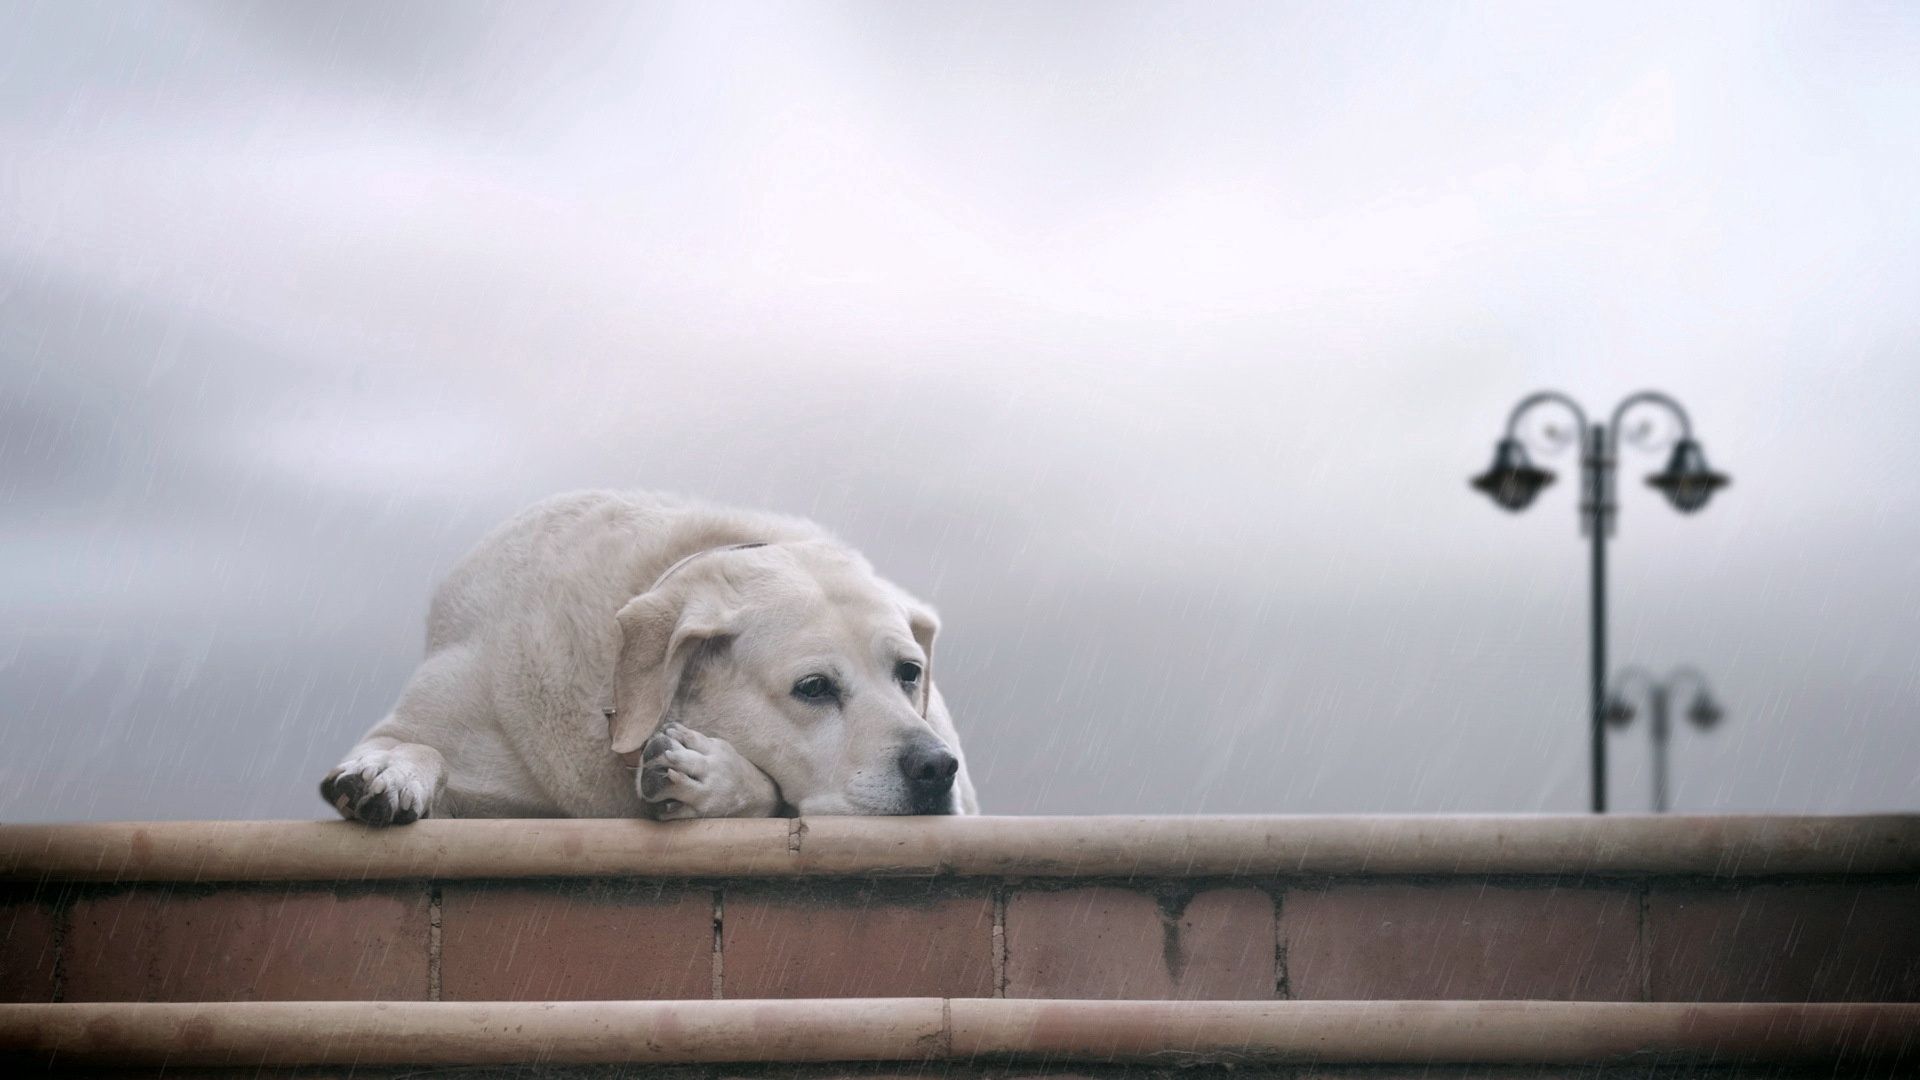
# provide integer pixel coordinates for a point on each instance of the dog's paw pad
(659, 780)
(657, 745)
(343, 791)
(379, 790)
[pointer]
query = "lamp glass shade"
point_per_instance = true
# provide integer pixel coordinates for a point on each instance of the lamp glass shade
(1618, 711)
(1687, 481)
(1704, 712)
(1512, 480)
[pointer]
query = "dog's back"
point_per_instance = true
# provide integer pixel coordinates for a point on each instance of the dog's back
(589, 547)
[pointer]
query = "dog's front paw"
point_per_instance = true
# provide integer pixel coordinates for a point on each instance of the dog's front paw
(689, 775)
(392, 786)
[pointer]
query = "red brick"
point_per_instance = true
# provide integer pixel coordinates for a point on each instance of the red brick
(1364, 941)
(27, 946)
(294, 943)
(1103, 942)
(902, 940)
(1785, 942)
(595, 942)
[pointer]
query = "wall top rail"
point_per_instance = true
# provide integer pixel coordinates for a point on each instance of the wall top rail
(1063, 847)
(255, 1034)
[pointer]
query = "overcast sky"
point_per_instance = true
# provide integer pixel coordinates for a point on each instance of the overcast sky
(1153, 344)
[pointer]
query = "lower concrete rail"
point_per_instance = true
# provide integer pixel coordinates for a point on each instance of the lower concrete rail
(265, 1034)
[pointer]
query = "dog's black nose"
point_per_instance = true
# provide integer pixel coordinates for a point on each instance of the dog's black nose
(929, 768)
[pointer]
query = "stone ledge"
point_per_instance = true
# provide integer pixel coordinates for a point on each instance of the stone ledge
(1068, 847)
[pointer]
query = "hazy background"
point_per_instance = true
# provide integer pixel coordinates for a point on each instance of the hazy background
(1153, 344)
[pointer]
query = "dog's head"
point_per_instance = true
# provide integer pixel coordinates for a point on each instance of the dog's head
(806, 661)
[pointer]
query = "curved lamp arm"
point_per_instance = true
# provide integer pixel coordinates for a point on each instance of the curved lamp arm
(1630, 678)
(1645, 397)
(1549, 397)
(1688, 677)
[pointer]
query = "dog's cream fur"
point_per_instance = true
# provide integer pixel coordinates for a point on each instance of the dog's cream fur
(563, 614)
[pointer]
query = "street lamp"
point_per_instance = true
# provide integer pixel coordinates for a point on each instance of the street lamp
(1513, 481)
(1703, 712)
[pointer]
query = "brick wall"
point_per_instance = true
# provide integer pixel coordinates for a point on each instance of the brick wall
(1261, 936)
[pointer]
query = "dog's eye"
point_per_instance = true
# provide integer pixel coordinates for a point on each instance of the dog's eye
(814, 688)
(907, 672)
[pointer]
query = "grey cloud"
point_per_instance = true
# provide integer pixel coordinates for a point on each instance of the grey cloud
(1152, 343)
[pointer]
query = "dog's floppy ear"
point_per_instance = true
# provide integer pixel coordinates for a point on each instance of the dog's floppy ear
(659, 634)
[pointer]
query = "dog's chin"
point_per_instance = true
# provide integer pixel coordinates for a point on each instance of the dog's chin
(904, 807)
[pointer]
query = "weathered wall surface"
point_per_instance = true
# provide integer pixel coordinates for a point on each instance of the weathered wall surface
(1800, 933)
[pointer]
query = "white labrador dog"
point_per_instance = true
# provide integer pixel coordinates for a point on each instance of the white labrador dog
(612, 654)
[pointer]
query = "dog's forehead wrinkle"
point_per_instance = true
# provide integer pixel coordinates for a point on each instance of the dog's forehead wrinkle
(813, 575)
(863, 640)
(853, 610)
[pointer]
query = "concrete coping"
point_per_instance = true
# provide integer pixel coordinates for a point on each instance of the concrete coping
(1047, 847)
(256, 1034)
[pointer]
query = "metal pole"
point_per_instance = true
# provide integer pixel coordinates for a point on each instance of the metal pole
(1597, 521)
(1659, 702)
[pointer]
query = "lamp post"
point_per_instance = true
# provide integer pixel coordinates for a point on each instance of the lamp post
(1512, 481)
(1703, 712)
